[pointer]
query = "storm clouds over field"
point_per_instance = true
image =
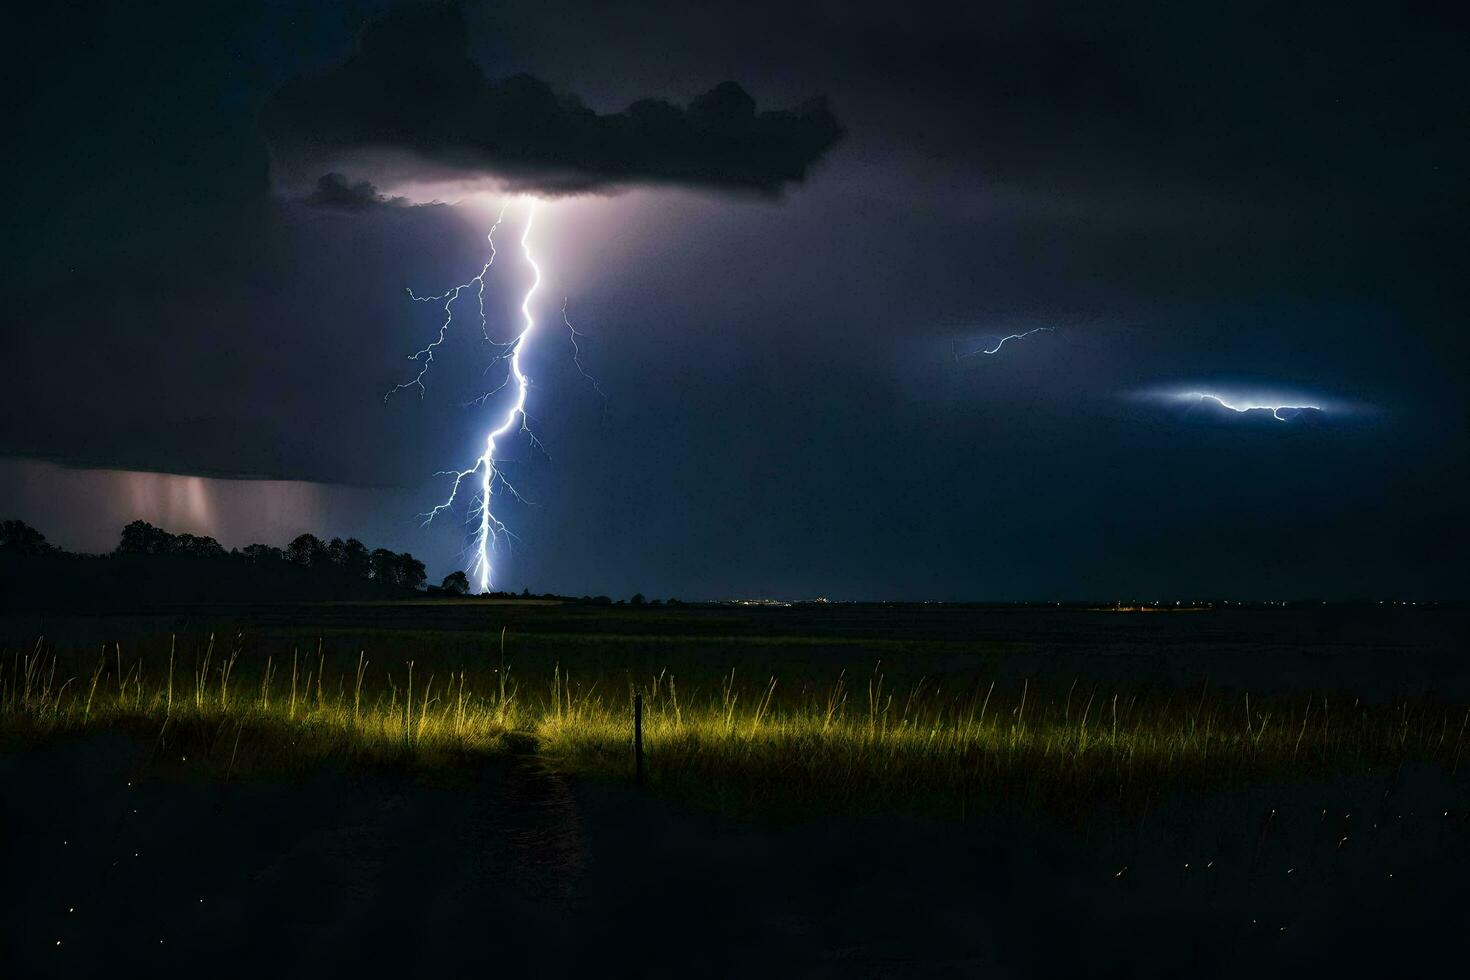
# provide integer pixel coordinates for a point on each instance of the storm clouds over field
(1248, 201)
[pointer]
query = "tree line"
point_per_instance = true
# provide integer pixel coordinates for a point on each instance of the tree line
(348, 557)
(339, 561)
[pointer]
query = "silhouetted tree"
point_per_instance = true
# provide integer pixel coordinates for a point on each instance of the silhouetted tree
(384, 565)
(356, 558)
(456, 582)
(306, 550)
(142, 538)
(637, 598)
(411, 572)
(262, 553)
(18, 537)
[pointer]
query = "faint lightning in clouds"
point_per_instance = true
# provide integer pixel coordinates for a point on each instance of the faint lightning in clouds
(1242, 407)
(577, 357)
(1251, 399)
(999, 343)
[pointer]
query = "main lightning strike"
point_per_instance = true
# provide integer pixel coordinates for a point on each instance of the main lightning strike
(490, 528)
(1000, 343)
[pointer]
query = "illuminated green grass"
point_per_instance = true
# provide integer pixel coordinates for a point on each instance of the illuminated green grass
(855, 743)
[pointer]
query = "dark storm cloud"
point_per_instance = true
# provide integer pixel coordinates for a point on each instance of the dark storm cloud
(1189, 193)
(411, 88)
(335, 191)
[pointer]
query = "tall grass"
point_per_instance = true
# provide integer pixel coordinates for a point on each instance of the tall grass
(752, 740)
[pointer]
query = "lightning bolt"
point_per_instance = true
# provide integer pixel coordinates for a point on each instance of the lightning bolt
(489, 528)
(1000, 343)
(1243, 407)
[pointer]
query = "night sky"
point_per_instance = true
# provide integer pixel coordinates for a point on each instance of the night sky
(1265, 201)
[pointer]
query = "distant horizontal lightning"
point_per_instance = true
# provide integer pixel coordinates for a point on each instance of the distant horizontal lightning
(1245, 398)
(1243, 407)
(1000, 343)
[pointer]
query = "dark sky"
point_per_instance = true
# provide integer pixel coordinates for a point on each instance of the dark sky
(1247, 199)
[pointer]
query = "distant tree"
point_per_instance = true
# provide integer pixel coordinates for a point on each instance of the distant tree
(261, 554)
(384, 564)
(135, 538)
(306, 550)
(411, 573)
(456, 582)
(526, 593)
(336, 552)
(142, 538)
(19, 538)
(637, 599)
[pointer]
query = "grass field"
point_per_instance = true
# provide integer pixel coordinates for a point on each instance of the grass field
(846, 791)
(773, 709)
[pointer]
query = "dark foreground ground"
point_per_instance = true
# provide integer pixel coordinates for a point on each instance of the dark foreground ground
(515, 869)
(112, 864)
